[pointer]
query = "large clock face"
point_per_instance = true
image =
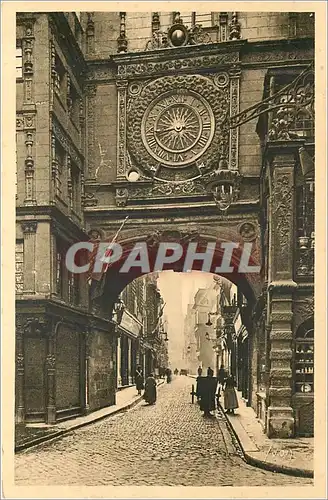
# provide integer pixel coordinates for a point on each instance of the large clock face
(177, 128)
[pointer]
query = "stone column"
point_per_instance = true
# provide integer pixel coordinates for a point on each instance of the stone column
(119, 366)
(29, 230)
(280, 415)
(20, 372)
(51, 375)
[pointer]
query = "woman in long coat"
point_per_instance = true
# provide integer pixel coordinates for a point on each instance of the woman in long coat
(230, 396)
(139, 378)
(150, 393)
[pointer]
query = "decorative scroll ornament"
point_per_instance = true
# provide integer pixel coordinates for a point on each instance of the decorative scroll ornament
(178, 35)
(293, 101)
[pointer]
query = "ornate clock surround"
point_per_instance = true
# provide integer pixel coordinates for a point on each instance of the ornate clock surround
(142, 86)
(183, 104)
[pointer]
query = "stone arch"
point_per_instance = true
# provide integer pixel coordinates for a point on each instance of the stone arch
(249, 283)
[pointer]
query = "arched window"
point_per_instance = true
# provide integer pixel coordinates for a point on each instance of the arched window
(304, 357)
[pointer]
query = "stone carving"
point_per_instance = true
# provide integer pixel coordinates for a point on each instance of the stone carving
(90, 200)
(178, 35)
(121, 197)
(221, 80)
(234, 28)
(159, 67)
(234, 110)
(169, 189)
(122, 42)
(37, 325)
(121, 150)
(200, 85)
(303, 310)
(91, 91)
(247, 231)
(282, 55)
(29, 227)
(20, 361)
(51, 361)
(282, 213)
(66, 143)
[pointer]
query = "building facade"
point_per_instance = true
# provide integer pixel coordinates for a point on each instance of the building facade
(91, 87)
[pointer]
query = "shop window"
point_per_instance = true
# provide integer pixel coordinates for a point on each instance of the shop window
(304, 358)
(19, 61)
(19, 266)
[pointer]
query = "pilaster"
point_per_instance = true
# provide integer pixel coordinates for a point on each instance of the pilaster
(129, 361)
(29, 230)
(51, 375)
(280, 415)
(20, 372)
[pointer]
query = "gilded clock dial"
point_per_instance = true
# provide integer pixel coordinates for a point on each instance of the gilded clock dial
(178, 128)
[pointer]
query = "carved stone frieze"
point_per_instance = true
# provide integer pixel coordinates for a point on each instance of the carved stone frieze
(158, 190)
(174, 65)
(279, 55)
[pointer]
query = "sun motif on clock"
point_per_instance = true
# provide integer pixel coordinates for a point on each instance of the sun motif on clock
(177, 128)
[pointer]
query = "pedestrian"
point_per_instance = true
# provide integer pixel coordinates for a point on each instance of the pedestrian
(230, 395)
(207, 390)
(139, 378)
(222, 375)
(200, 371)
(168, 375)
(150, 393)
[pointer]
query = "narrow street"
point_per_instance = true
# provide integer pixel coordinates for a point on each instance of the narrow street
(167, 444)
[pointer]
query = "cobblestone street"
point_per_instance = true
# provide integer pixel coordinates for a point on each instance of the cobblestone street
(169, 443)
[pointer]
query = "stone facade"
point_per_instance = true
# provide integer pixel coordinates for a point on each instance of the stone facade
(86, 90)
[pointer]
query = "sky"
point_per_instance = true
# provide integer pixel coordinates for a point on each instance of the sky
(177, 290)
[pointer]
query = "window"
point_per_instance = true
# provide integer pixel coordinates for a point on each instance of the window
(305, 210)
(19, 266)
(76, 191)
(60, 262)
(189, 19)
(60, 157)
(19, 62)
(74, 288)
(59, 76)
(304, 357)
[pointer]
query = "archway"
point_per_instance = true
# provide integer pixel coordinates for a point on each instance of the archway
(228, 250)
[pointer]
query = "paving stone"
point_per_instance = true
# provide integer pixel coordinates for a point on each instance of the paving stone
(168, 444)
